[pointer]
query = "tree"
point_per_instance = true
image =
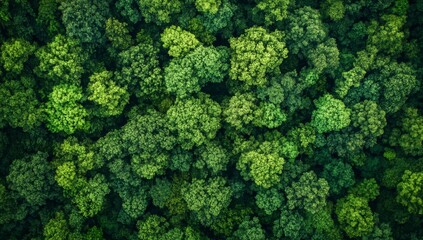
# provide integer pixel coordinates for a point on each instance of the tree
(195, 120)
(32, 178)
(104, 92)
(110, 146)
(156, 227)
(19, 106)
(303, 136)
(57, 228)
(369, 118)
(409, 136)
(250, 230)
(129, 9)
(207, 199)
(64, 111)
(388, 36)
(306, 30)
(130, 188)
(212, 156)
(187, 75)
(181, 159)
(381, 231)
(239, 110)
(84, 19)
(147, 139)
(208, 6)
(355, 216)
(325, 57)
(269, 200)
(161, 192)
(49, 17)
(368, 189)
(269, 115)
(255, 54)
(15, 53)
(331, 114)
(4, 11)
(353, 77)
(61, 61)
(81, 155)
(324, 226)
(291, 225)
(160, 12)
(151, 227)
(91, 197)
(262, 166)
(273, 11)
(308, 193)
(178, 41)
(118, 34)
(335, 9)
(73, 162)
(221, 20)
(349, 78)
(140, 71)
(410, 193)
(398, 81)
(339, 175)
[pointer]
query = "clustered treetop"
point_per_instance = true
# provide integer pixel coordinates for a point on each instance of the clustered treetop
(211, 119)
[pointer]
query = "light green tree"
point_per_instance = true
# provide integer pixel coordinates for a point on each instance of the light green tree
(61, 61)
(14, 54)
(207, 199)
(263, 166)
(178, 41)
(410, 192)
(331, 114)
(355, 216)
(195, 120)
(64, 111)
(105, 93)
(255, 54)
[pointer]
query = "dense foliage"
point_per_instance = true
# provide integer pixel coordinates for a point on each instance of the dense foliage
(211, 119)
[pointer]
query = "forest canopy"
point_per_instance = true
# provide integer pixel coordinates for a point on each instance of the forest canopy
(211, 119)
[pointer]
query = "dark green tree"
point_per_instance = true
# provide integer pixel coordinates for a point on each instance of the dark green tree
(19, 105)
(32, 178)
(118, 34)
(189, 74)
(147, 139)
(306, 30)
(308, 193)
(84, 20)
(140, 71)
(339, 175)
(160, 12)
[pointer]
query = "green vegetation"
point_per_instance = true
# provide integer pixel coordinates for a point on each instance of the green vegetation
(211, 119)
